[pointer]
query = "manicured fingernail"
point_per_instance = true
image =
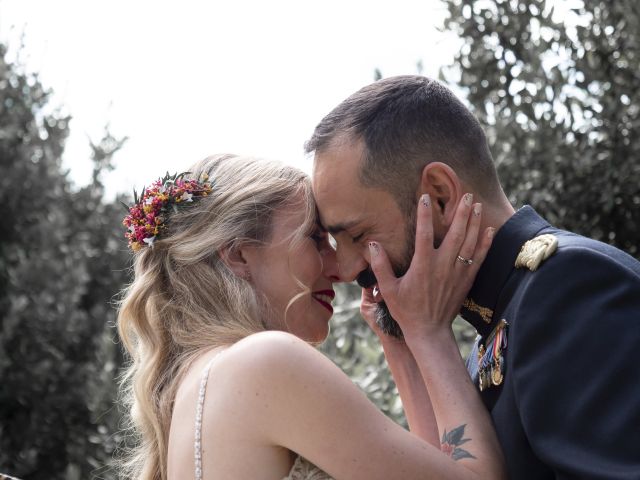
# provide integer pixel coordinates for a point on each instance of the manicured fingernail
(491, 232)
(477, 209)
(426, 200)
(468, 199)
(374, 248)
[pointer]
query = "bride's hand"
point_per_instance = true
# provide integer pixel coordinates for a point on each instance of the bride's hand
(428, 297)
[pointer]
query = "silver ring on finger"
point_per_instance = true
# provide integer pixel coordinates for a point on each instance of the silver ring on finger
(464, 261)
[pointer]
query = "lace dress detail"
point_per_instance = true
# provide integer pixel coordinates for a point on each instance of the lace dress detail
(301, 469)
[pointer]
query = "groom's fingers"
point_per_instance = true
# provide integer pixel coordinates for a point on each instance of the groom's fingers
(367, 296)
(366, 300)
(381, 268)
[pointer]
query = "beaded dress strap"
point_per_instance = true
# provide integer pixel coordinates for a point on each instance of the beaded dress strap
(198, 442)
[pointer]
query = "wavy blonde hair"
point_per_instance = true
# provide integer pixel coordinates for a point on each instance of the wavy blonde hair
(185, 300)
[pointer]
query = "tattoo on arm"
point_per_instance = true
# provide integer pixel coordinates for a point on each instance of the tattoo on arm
(451, 442)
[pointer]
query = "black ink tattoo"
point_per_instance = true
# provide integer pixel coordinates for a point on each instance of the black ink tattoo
(451, 442)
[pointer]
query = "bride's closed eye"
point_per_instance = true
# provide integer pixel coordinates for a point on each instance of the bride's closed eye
(321, 238)
(318, 236)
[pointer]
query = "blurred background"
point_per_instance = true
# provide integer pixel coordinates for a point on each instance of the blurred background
(99, 97)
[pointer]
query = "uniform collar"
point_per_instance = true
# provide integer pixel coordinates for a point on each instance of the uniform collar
(481, 302)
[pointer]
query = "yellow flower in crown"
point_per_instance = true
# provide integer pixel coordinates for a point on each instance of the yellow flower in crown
(145, 220)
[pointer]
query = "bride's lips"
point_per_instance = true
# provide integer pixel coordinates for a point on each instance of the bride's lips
(324, 298)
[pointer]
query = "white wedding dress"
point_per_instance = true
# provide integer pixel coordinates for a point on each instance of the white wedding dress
(301, 469)
(304, 470)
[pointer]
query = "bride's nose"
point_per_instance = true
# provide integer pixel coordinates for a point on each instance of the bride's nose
(330, 265)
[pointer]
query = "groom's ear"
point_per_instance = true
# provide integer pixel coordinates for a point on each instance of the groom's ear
(445, 189)
(234, 257)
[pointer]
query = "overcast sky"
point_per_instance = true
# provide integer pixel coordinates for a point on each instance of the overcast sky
(186, 79)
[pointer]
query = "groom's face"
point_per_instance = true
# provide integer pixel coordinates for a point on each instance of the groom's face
(355, 215)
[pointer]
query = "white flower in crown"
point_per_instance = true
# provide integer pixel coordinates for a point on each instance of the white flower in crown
(149, 241)
(186, 197)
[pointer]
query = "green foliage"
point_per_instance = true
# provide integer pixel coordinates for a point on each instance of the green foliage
(557, 86)
(57, 252)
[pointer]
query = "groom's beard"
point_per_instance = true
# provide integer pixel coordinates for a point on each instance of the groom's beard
(366, 279)
(384, 319)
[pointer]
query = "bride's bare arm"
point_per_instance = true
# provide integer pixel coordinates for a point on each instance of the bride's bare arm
(276, 390)
(406, 375)
(424, 302)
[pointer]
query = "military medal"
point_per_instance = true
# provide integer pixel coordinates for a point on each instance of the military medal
(482, 371)
(496, 372)
(483, 380)
(490, 357)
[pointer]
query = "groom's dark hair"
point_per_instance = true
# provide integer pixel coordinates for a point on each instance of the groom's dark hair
(406, 122)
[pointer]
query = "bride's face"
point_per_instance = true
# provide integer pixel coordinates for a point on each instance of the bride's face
(302, 271)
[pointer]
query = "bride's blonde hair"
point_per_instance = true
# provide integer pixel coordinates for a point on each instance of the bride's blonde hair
(184, 299)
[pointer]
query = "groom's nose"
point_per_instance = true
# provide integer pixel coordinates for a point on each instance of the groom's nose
(350, 262)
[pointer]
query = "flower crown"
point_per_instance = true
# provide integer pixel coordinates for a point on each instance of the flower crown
(146, 219)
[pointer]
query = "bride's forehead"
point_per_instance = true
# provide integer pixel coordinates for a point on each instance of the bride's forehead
(291, 217)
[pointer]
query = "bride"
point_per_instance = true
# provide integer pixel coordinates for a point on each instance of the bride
(232, 290)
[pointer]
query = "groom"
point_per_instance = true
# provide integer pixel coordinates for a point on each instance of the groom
(558, 315)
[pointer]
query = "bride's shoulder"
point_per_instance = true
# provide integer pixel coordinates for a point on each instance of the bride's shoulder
(267, 359)
(268, 339)
(270, 347)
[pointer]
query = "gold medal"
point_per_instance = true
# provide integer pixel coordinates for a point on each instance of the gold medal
(496, 372)
(485, 381)
(480, 352)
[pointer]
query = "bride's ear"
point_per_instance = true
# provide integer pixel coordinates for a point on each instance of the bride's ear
(233, 257)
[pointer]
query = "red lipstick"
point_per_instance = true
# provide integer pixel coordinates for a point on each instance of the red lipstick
(324, 298)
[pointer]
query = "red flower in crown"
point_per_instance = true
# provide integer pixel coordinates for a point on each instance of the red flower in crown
(145, 220)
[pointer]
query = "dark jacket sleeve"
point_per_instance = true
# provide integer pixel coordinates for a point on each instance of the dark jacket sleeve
(576, 368)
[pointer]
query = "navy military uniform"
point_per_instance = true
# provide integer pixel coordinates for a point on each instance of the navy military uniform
(556, 354)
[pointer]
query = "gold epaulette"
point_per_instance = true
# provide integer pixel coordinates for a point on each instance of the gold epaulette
(536, 250)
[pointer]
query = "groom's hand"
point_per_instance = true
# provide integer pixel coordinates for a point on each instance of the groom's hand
(429, 295)
(368, 311)
(368, 308)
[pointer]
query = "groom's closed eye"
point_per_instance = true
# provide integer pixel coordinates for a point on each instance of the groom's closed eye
(357, 238)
